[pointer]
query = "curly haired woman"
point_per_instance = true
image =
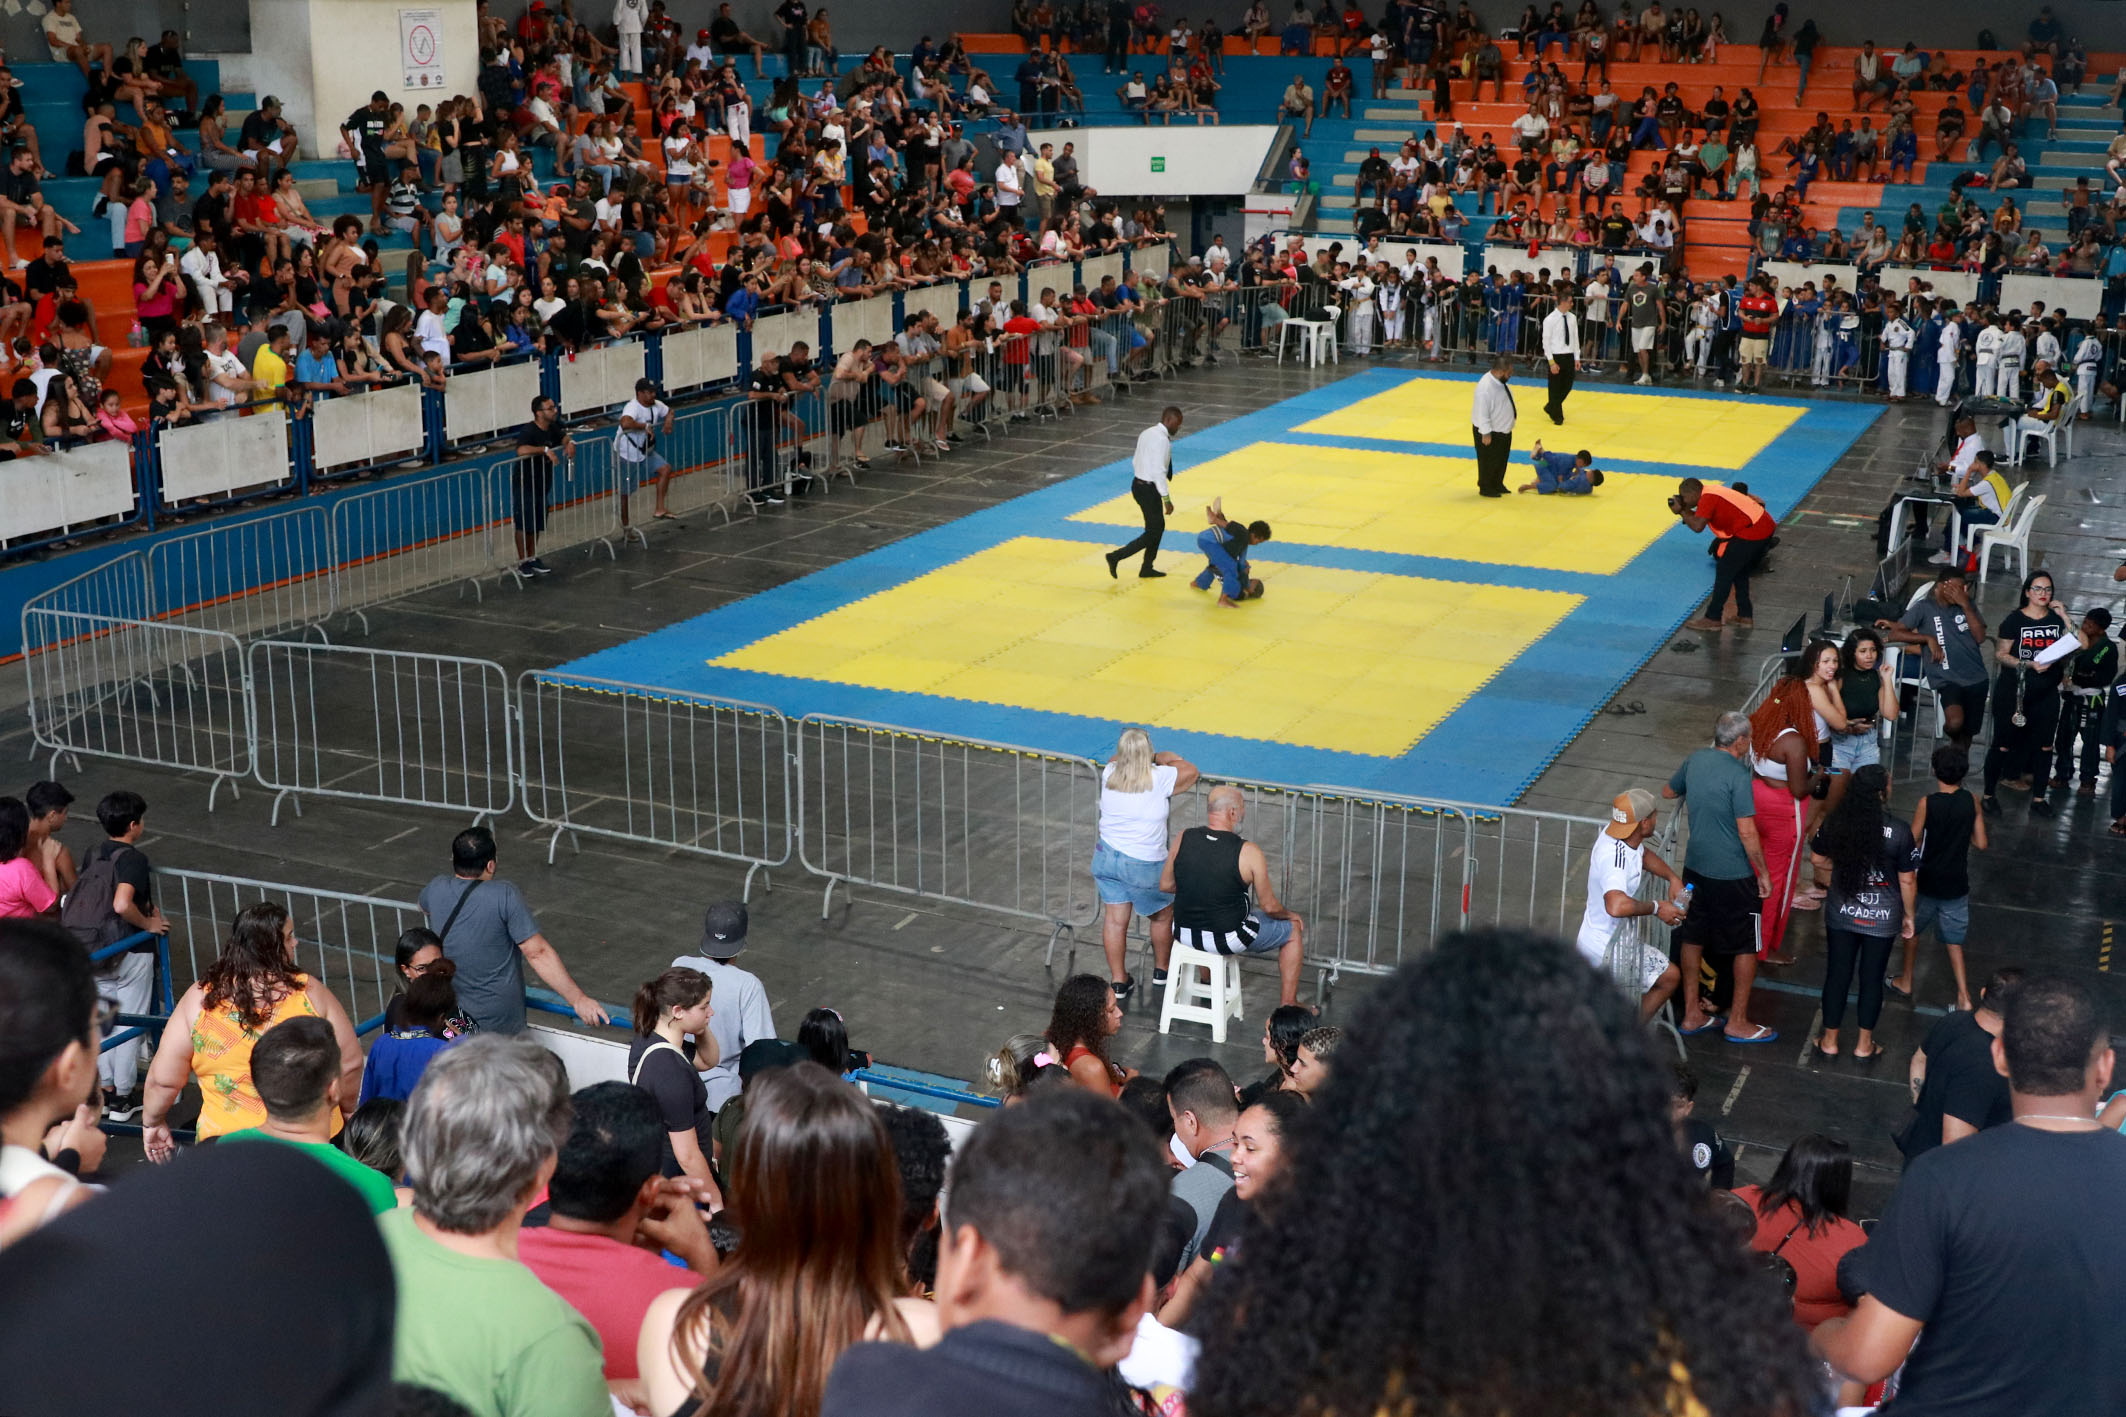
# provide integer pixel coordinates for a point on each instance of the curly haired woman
(1474, 1228)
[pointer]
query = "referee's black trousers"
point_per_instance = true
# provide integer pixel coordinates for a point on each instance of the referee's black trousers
(1560, 385)
(1149, 503)
(1491, 461)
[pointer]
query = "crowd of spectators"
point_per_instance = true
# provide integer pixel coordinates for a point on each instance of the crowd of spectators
(1382, 1218)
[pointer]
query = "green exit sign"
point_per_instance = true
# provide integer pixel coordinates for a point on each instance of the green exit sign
(1158, 164)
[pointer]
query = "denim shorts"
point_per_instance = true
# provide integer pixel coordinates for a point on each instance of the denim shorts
(1850, 751)
(633, 474)
(1125, 880)
(1950, 919)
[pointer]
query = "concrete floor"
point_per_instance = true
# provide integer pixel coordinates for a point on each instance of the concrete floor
(937, 988)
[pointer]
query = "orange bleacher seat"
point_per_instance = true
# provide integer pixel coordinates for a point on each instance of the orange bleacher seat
(126, 364)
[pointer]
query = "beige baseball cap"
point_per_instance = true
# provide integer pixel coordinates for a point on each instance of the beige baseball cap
(1631, 807)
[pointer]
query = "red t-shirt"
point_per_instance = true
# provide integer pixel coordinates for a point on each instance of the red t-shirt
(1758, 312)
(1814, 1257)
(1019, 351)
(1736, 514)
(609, 1283)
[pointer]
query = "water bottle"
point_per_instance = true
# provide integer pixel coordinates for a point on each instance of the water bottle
(1682, 902)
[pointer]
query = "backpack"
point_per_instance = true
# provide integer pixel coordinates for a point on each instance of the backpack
(87, 909)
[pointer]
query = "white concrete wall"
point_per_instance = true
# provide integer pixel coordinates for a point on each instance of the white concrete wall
(323, 58)
(1196, 162)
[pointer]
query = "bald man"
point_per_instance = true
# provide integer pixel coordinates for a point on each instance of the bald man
(1210, 871)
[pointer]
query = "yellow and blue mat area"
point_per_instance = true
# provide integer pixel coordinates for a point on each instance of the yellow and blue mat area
(1413, 636)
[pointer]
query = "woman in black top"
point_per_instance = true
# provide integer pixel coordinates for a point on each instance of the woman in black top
(664, 1061)
(1874, 890)
(418, 951)
(2026, 699)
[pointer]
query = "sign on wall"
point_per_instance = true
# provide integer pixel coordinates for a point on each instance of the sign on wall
(421, 48)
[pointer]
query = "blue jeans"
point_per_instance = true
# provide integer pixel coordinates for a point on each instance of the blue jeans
(1802, 62)
(1222, 567)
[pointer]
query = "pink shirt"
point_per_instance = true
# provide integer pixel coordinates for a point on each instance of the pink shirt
(23, 892)
(609, 1283)
(138, 218)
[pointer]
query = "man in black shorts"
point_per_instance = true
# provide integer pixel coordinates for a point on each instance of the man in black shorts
(364, 131)
(541, 443)
(765, 399)
(731, 41)
(1724, 877)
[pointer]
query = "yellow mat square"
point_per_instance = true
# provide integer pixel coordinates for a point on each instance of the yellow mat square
(1334, 659)
(1634, 427)
(1415, 505)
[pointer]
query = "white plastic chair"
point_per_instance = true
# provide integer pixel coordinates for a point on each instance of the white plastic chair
(2013, 536)
(2052, 435)
(1967, 533)
(1310, 336)
(1201, 987)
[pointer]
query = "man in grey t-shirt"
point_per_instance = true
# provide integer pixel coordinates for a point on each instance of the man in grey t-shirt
(1724, 871)
(488, 932)
(738, 1005)
(1951, 633)
(1200, 1096)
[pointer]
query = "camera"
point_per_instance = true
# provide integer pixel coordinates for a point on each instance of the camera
(1675, 504)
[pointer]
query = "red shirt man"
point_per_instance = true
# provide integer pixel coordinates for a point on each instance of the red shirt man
(1734, 514)
(1339, 78)
(1758, 310)
(610, 1212)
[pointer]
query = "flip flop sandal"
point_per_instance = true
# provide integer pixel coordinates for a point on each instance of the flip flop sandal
(1905, 994)
(666, 516)
(1762, 1034)
(1717, 1021)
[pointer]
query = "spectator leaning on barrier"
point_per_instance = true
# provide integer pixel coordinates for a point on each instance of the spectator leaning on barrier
(488, 932)
(740, 1015)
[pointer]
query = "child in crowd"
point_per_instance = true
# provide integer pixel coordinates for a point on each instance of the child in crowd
(1946, 825)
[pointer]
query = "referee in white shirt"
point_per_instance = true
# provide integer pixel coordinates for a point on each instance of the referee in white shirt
(1150, 468)
(1561, 346)
(1491, 421)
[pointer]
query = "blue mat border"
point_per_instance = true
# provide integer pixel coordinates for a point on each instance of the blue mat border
(1490, 749)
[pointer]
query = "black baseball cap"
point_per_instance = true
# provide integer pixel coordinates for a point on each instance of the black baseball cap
(765, 1055)
(723, 929)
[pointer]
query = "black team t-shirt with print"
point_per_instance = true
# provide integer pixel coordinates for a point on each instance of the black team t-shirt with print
(2031, 637)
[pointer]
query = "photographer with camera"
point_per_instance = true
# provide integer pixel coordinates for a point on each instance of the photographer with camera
(1743, 532)
(642, 421)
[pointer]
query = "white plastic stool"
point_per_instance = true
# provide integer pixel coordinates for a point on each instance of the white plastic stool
(1316, 339)
(1212, 999)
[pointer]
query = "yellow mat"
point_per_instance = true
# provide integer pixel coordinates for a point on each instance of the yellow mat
(1350, 661)
(1411, 505)
(1634, 427)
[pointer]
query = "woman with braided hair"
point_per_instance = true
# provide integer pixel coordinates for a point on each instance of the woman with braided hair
(1784, 732)
(1466, 1226)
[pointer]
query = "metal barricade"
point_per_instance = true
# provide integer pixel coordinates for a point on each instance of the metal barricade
(416, 730)
(139, 691)
(685, 772)
(118, 588)
(344, 942)
(251, 576)
(986, 825)
(705, 475)
(570, 501)
(1010, 375)
(411, 535)
(1380, 879)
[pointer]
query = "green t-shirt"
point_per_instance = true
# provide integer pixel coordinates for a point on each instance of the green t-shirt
(374, 1185)
(1716, 791)
(488, 1333)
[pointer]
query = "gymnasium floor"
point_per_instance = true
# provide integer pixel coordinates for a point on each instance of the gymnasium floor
(1413, 638)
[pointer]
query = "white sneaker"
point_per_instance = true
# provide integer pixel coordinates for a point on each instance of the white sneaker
(1644, 379)
(1719, 383)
